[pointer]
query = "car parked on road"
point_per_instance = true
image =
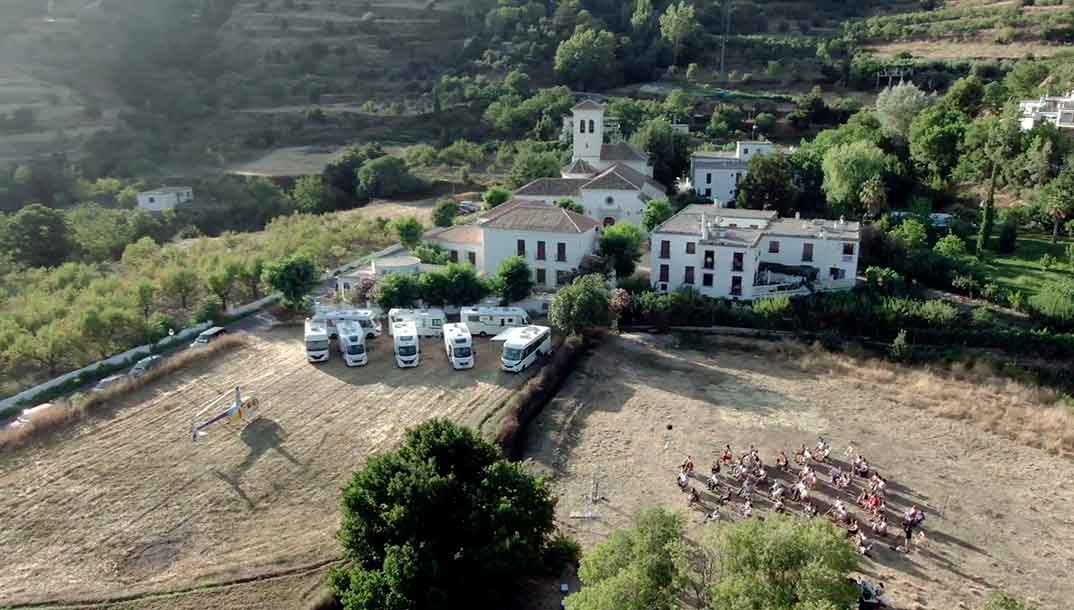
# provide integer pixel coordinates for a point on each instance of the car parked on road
(145, 365)
(109, 381)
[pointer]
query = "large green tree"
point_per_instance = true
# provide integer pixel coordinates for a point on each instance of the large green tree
(442, 522)
(935, 135)
(445, 212)
(408, 230)
(678, 26)
(398, 290)
(386, 177)
(531, 164)
(897, 106)
(621, 245)
(668, 148)
(581, 306)
(768, 185)
(293, 276)
(586, 58)
(37, 236)
(312, 196)
(1056, 200)
(656, 213)
(179, 283)
(847, 168)
(513, 280)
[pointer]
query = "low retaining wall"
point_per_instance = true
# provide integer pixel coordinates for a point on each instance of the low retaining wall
(127, 357)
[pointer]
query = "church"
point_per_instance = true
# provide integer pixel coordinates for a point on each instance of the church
(612, 182)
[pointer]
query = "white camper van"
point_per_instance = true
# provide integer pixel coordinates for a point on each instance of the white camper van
(331, 318)
(429, 322)
(493, 320)
(407, 344)
(352, 343)
(459, 346)
(522, 347)
(317, 341)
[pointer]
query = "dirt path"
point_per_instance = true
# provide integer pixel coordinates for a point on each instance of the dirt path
(999, 515)
(126, 503)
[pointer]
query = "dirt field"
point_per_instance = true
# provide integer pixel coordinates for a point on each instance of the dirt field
(999, 512)
(981, 49)
(124, 503)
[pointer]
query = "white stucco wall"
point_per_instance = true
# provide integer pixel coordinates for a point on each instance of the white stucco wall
(626, 206)
(501, 244)
(718, 184)
(827, 253)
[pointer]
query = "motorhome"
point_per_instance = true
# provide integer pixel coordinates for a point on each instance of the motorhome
(429, 322)
(493, 320)
(459, 346)
(352, 343)
(522, 347)
(317, 341)
(407, 344)
(333, 317)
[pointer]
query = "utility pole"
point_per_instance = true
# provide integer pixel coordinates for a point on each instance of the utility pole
(723, 42)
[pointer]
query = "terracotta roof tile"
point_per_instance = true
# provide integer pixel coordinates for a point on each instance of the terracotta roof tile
(534, 216)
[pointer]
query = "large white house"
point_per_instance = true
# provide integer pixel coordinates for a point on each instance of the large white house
(750, 254)
(612, 182)
(165, 198)
(1057, 110)
(552, 240)
(716, 174)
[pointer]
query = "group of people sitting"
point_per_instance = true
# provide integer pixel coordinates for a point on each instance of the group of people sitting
(746, 474)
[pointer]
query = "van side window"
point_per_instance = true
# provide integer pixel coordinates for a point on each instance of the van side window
(473, 318)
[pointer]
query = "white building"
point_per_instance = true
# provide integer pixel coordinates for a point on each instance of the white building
(716, 174)
(612, 182)
(552, 240)
(165, 198)
(749, 254)
(1058, 111)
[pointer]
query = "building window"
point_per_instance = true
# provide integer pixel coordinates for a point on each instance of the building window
(592, 126)
(848, 249)
(736, 261)
(710, 259)
(472, 257)
(708, 178)
(541, 278)
(562, 277)
(688, 275)
(738, 176)
(706, 279)
(581, 126)
(520, 248)
(773, 247)
(708, 193)
(664, 273)
(453, 255)
(151, 200)
(665, 248)
(540, 250)
(837, 273)
(736, 285)
(807, 253)
(609, 200)
(745, 151)
(561, 252)
(691, 247)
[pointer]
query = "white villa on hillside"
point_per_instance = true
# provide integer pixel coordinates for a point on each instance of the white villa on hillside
(716, 174)
(552, 240)
(612, 182)
(165, 198)
(1058, 111)
(750, 254)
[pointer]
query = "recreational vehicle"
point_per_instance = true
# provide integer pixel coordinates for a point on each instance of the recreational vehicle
(493, 320)
(459, 346)
(333, 317)
(352, 343)
(429, 322)
(407, 344)
(317, 341)
(522, 347)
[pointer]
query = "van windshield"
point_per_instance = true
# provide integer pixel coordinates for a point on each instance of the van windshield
(316, 346)
(355, 350)
(365, 323)
(462, 352)
(511, 354)
(407, 350)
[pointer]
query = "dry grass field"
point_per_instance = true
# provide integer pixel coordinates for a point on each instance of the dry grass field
(988, 460)
(975, 49)
(123, 503)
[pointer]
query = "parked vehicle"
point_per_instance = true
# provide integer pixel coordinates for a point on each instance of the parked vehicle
(209, 335)
(407, 344)
(523, 346)
(27, 414)
(484, 321)
(429, 322)
(109, 381)
(468, 207)
(459, 346)
(145, 365)
(332, 317)
(352, 343)
(317, 341)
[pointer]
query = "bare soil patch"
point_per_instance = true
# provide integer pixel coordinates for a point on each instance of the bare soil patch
(998, 509)
(124, 503)
(952, 49)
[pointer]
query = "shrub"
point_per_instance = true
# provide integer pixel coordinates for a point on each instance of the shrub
(901, 350)
(1016, 300)
(967, 283)
(1047, 262)
(951, 246)
(774, 308)
(210, 311)
(937, 313)
(982, 316)
(1055, 301)
(911, 234)
(884, 279)
(496, 196)
(992, 293)
(445, 212)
